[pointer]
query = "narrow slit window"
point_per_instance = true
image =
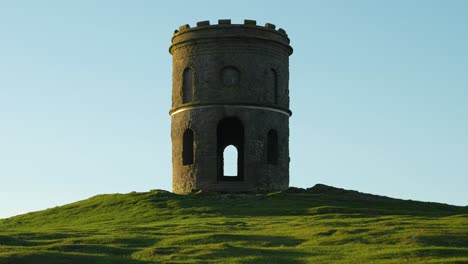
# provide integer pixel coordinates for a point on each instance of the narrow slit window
(187, 147)
(272, 147)
(187, 86)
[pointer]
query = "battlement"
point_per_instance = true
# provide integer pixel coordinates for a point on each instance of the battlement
(227, 22)
(225, 29)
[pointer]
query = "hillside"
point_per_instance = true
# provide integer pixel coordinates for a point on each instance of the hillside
(319, 225)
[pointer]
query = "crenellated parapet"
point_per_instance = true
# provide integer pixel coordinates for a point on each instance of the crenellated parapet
(226, 29)
(227, 22)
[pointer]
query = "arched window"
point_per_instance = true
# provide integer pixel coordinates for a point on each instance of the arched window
(187, 147)
(231, 157)
(187, 86)
(272, 147)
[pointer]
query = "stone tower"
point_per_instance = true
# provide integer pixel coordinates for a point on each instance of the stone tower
(230, 88)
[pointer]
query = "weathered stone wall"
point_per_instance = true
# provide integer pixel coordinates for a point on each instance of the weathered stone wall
(237, 71)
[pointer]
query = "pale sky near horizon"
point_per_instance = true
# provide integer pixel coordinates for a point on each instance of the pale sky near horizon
(379, 94)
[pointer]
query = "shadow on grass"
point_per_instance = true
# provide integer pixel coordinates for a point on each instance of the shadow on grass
(247, 255)
(429, 252)
(92, 249)
(236, 248)
(115, 246)
(256, 240)
(8, 240)
(75, 245)
(51, 257)
(442, 252)
(448, 240)
(37, 238)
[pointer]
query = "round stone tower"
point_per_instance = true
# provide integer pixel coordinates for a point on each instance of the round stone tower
(230, 90)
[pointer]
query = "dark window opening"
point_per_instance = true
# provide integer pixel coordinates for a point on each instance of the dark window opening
(230, 133)
(272, 147)
(187, 86)
(271, 84)
(187, 147)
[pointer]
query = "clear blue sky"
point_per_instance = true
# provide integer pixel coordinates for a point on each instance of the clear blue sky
(379, 94)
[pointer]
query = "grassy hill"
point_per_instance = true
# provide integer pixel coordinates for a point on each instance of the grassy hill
(318, 225)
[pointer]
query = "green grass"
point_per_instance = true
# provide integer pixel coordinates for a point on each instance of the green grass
(318, 225)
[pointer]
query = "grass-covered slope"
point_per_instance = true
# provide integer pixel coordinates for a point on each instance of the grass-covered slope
(319, 225)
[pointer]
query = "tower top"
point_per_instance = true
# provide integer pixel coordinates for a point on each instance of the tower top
(225, 29)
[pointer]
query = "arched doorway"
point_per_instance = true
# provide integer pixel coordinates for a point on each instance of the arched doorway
(230, 132)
